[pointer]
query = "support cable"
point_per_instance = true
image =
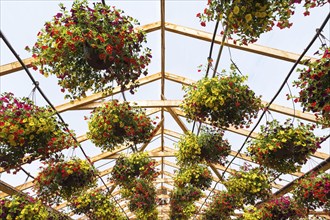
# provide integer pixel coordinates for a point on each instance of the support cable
(209, 58)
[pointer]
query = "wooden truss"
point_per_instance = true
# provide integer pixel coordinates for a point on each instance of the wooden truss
(170, 107)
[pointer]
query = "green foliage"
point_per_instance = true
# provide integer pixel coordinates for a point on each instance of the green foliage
(21, 208)
(115, 123)
(96, 205)
(313, 191)
(250, 18)
(196, 175)
(284, 148)
(136, 165)
(208, 147)
(28, 131)
(64, 179)
(222, 206)
(182, 202)
(279, 208)
(75, 40)
(142, 199)
(224, 101)
(314, 85)
(249, 185)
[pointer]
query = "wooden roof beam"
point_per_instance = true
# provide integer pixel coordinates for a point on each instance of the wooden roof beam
(100, 95)
(253, 48)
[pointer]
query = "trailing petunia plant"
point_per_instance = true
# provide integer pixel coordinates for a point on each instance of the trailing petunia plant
(142, 199)
(313, 191)
(27, 208)
(29, 132)
(96, 205)
(314, 85)
(223, 100)
(249, 185)
(136, 165)
(222, 206)
(182, 202)
(208, 147)
(115, 123)
(196, 175)
(247, 20)
(64, 179)
(284, 148)
(279, 208)
(87, 48)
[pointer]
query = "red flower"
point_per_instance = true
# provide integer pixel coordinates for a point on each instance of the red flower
(203, 23)
(306, 13)
(102, 56)
(109, 49)
(101, 38)
(326, 54)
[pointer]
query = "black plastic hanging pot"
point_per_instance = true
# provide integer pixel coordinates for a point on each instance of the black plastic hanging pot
(93, 59)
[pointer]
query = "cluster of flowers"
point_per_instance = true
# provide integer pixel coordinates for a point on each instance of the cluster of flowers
(78, 44)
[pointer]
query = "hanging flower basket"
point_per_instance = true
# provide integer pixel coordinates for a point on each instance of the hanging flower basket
(116, 123)
(209, 147)
(28, 132)
(96, 205)
(249, 19)
(186, 194)
(280, 208)
(182, 202)
(196, 175)
(224, 101)
(222, 206)
(64, 179)
(142, 199)
(313, 191)
(314, 85)
(89, 48)
(137, 165)
(249, 185)
(18, 207)
(284, 148)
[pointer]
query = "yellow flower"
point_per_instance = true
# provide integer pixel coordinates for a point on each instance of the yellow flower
(236, 10)
(248, 17)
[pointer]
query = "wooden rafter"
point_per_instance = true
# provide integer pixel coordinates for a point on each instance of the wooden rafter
(190, 32)
(97, 96)
(253, 48)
